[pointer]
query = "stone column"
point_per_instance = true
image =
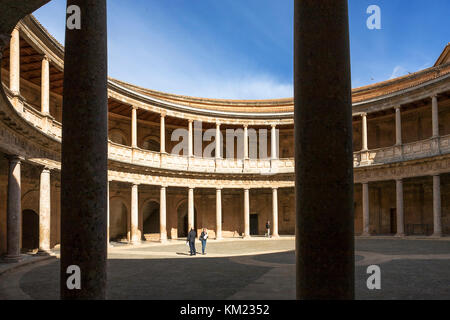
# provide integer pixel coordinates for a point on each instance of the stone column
(435, 116)
(44, 211)
(13, 210)
(109, 218)
(135, 238)
(275, 213)
(218, 214)
(162, 215)
(218, 142)
(366, 210)
(246, 142)
(246, 213)
(84, 165)
(400, 210)
(398, 126)
(437, 213)
(191, 140)
(134, 126)
(364, 132)
(163, 133)
(45, 86)
(191, 209)
(14, 62)
(324, 157)
(273, 143)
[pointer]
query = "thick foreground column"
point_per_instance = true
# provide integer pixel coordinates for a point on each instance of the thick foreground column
(275, 213)
(218, 214)
(191, 209)
(246, 213)
(437, 209)
(135, 236)
(44, 211)
(366, 209)
(400, 210)
(84, 175)
(323, 133)
(14, 210)
(162, 215)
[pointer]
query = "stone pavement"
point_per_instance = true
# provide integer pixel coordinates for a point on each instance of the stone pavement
(257, 269)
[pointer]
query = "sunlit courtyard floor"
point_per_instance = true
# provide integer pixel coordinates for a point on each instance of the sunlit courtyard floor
(240, 269)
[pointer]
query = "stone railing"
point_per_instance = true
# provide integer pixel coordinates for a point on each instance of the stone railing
(157, 160)
(416, 150)
(410, 151)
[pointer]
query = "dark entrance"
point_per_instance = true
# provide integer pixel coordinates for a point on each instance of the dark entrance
(30, 230)
(151, 218)
(393, 221)
(254, 225)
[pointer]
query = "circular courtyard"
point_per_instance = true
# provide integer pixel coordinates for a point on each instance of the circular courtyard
(257, 269)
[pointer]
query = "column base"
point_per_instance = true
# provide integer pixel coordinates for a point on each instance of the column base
(220, 238)
(400, 235)
(436, 235)
(163, 241)
(43, 252)
(275, 236)
(365, 234)
(12, 259)
(246, 237)
(136, 242)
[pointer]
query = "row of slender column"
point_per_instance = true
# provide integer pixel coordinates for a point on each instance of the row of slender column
(398, 124)
(135, 234)
(14, 73)
(218, 137)
(437, 210)
(14, 209)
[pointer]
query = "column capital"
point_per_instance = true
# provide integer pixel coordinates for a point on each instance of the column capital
(436, 175)
(14, 158)
(219, 189)
(364, 114)
(45, 57)
(134, 107)
(163, 186)
(163, 114)
(135, 184)
(273, 125)
(190, 121)
(275, 188)
(245, 126)
(398, 108)
(218, 124)
(434, 96)
(399, 180)
(246, 188)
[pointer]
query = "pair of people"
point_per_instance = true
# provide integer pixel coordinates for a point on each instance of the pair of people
(191, 240)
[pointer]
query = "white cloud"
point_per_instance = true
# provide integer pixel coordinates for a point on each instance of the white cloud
(398, 72)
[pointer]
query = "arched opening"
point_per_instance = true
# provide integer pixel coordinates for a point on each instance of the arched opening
(118, 219)
(183, 219)
(151, 144)
(151, 217)
(117, 136)
(30, 230)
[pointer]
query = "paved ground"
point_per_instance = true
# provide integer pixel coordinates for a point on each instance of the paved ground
(256, 269)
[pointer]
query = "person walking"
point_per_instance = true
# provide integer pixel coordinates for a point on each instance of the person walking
(203, 238)
(268, 229)
(191, 239)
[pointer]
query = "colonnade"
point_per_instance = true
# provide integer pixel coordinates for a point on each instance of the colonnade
(218, 137)
(398, 124)
(135, 233)
(400, 218)
(14, 209)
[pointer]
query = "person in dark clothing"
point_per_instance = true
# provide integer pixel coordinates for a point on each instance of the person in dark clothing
(268, 229)
(203, 238)
(191, 239)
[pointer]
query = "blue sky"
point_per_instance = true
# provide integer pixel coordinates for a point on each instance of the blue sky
(242, 49)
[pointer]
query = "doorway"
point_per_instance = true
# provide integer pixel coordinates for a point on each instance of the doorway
(30, 230)
(393, 216)
(254, 225)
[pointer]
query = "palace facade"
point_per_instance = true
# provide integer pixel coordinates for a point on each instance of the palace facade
(401, 141)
